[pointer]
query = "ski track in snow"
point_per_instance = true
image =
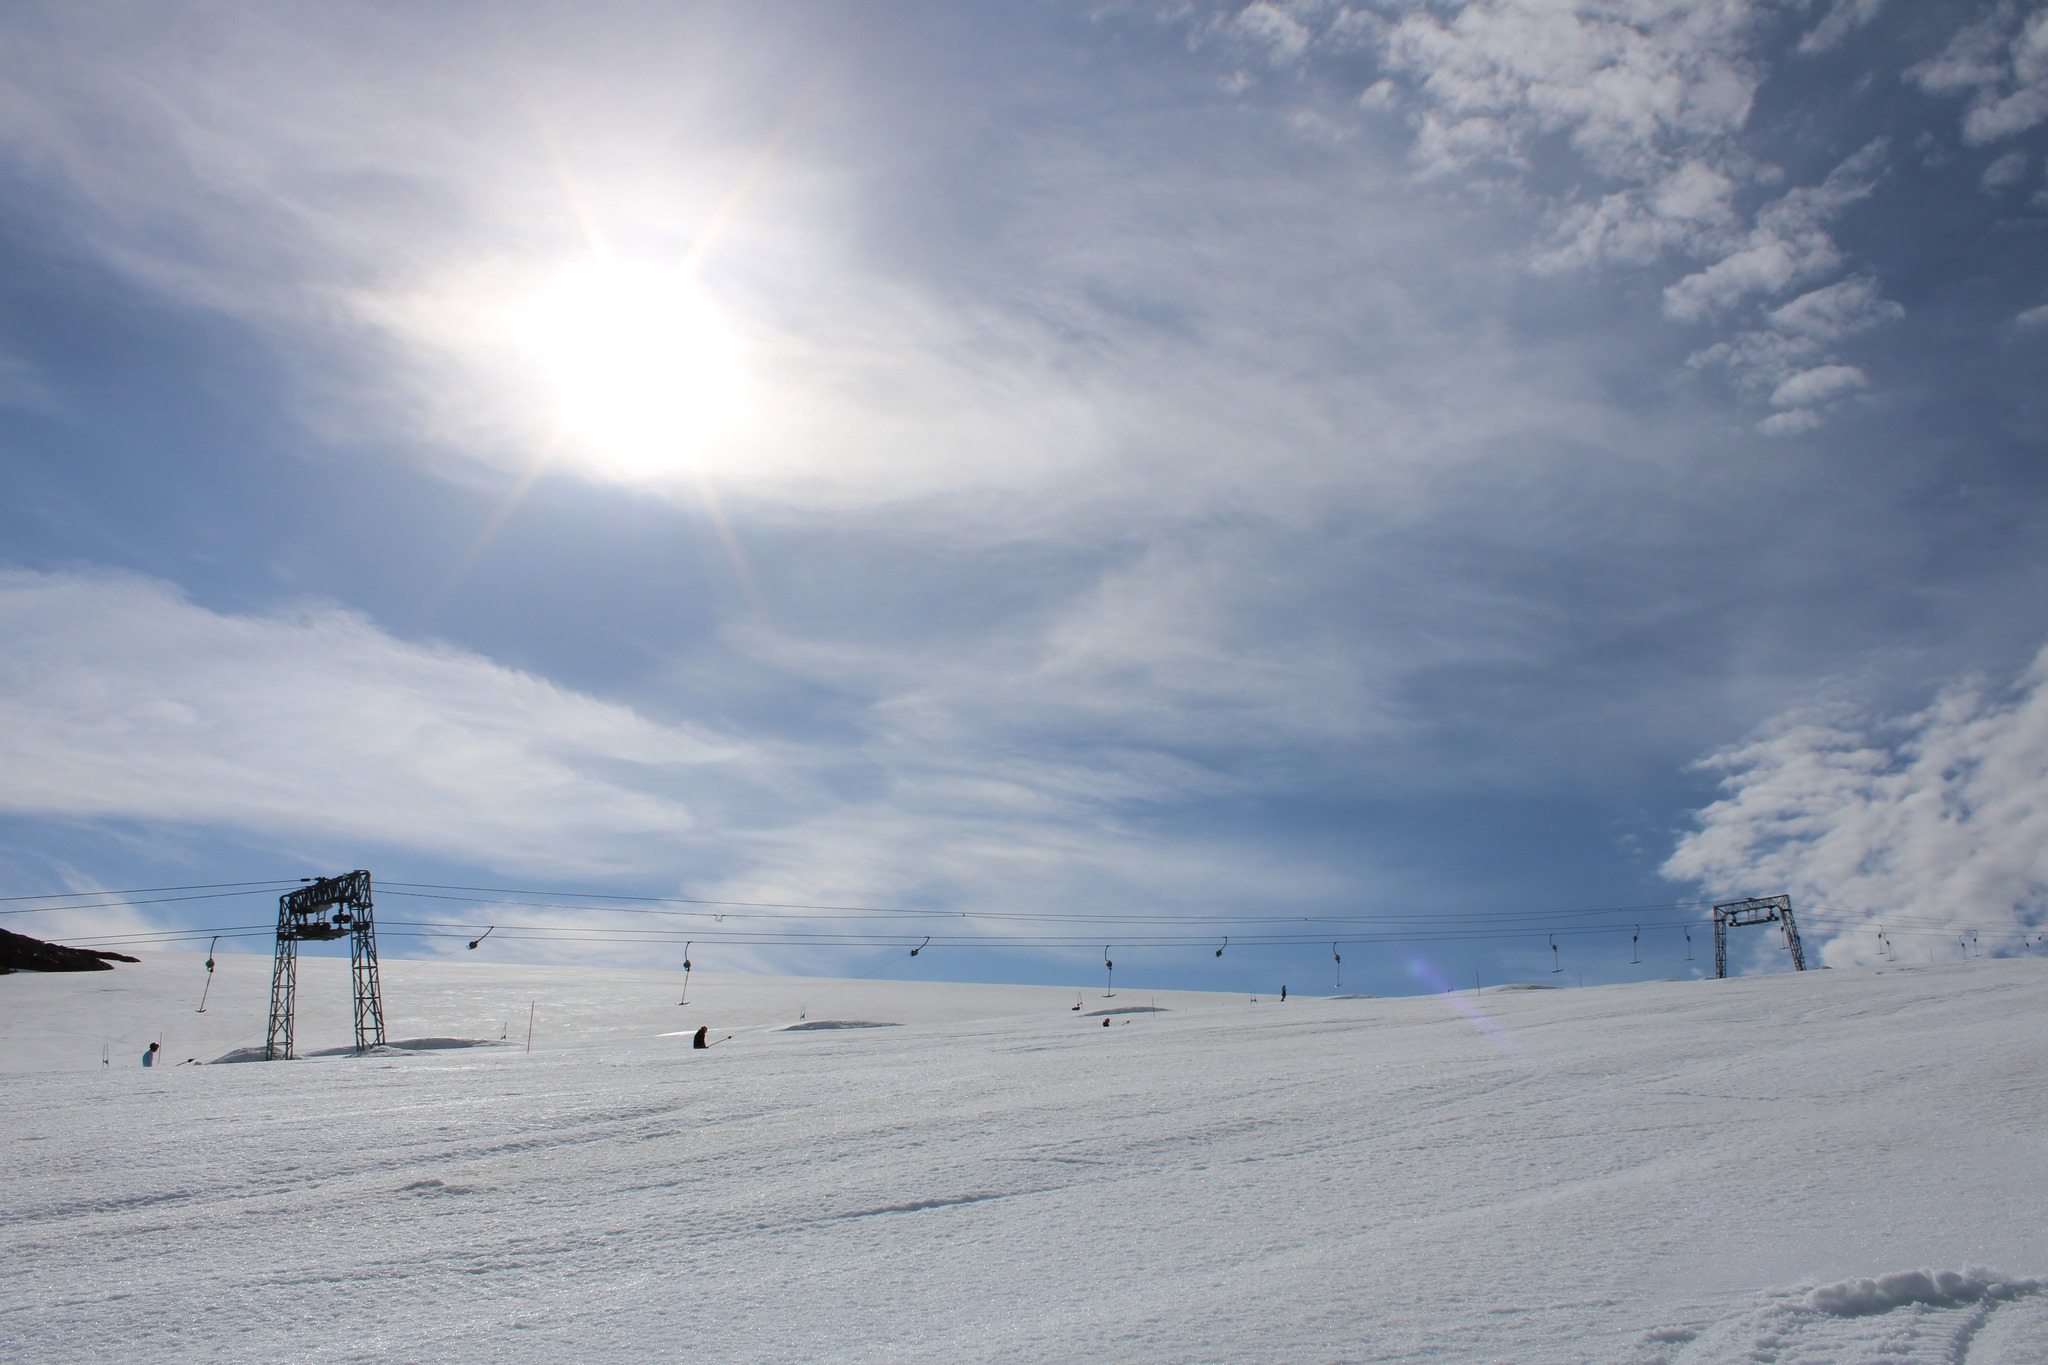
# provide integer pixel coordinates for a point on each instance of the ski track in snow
(1780, 1169)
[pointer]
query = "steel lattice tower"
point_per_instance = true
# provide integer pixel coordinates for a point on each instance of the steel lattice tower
(322, 911)
(1763, 910)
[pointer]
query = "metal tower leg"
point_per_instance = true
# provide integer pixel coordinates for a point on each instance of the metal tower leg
(284, 982)
(1792, 938)
(369, 987)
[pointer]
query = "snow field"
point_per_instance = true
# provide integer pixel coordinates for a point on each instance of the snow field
(1826, 1167)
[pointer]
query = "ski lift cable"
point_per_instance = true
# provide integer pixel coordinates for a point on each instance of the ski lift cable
(1394, 925)
(423, 889)
(599, 934)
(125, 903)
(151, 890)
(588, 935)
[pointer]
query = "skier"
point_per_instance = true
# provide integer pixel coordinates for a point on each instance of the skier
(149, 1057)
(701, 1040)
(1283, 993)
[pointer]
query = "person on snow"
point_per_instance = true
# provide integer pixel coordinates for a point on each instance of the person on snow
(701, 1040)
(149, 1057)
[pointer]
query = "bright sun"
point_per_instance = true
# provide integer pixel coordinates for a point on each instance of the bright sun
(646, 380)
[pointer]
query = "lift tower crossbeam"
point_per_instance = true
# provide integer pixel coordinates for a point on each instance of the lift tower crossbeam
(1758, 910)
(321, 911)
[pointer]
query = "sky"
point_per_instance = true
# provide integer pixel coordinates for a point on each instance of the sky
(1455, 487)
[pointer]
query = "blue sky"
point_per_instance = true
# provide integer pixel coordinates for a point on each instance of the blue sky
(1392, 474)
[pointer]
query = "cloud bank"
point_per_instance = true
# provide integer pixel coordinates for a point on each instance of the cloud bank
(1929, 826)
(121, 699)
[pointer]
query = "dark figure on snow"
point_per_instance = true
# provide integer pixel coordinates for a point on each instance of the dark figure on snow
(1283, 993)
(149, 1057)
(1105, 1023)
(700, 1040)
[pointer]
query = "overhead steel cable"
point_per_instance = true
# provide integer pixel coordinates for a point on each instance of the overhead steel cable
(649, 905)
(574, 933)
(806, 924)
(839, 938)
(151, 890)
(126, 901)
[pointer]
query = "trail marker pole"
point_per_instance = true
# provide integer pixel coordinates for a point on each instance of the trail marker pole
(529, 1026)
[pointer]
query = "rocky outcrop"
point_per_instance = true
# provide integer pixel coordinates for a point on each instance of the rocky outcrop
(20, 953)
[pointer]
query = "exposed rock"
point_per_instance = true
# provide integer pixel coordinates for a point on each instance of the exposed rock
(20, 953)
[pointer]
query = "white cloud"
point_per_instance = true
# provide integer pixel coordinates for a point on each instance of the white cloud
(1789, 245)
(120, 699)
(1450, 146)
(1283, 37)
(1625, 83)
(1820, 384)
(2037, 316)
(1759, 361)
(1838, 310)
(2001, 63)
(1928, 825)
(1654, 98)
(1793, 423)
(1843, 18)
(2005, 172)
(1007, 780)
(1686, 211)
(1695, 193)
(1787, 364)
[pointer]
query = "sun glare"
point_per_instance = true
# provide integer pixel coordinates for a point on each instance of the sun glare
(645, 379)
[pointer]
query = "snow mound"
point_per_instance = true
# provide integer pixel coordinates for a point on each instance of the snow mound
(403, 1045)
(435, 1044)
(1935, 1288)
(813, 1024)
(1127, 1009)
(1935, 1316)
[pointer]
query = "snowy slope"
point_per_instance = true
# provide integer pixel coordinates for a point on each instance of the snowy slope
(1827, 1167)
